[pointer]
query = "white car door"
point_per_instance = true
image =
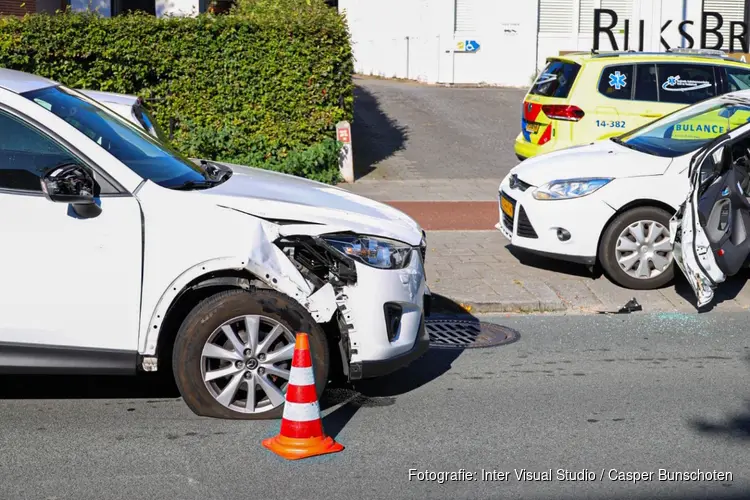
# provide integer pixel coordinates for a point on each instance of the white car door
(69, 286)
(711, 230)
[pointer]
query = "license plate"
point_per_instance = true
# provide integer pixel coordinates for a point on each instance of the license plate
(532, 127)
(506, 206)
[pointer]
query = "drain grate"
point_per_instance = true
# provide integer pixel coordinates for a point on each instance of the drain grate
(468, 334)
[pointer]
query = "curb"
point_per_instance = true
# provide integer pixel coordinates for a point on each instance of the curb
(513, 306)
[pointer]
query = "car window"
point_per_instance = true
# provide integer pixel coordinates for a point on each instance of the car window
(687, 129)
(143, 154)
(685, 83)
(646, 88)
(616, 82)
(737, 78)
(556, 80)
(26, 155)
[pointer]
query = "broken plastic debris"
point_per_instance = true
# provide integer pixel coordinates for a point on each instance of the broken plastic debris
(631, 306)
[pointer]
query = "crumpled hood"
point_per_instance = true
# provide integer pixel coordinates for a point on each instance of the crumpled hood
(600, 159)
(276, 196)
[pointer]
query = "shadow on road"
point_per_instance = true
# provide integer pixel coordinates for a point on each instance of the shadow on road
(735, 426)
(554, 265)
(726, 291)
(729, 290)
(347, 399)
(375, 136)
(87, 387)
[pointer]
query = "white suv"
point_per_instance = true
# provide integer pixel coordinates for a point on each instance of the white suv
(120, 255)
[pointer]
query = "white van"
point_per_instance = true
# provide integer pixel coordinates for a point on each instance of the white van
(120, 255)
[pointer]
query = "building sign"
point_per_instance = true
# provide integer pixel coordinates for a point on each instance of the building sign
(467, 46)
(605, 21)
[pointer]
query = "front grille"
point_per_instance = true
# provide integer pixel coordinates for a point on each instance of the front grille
(525, 228)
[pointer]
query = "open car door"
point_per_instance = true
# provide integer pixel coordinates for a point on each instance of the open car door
(711, 230)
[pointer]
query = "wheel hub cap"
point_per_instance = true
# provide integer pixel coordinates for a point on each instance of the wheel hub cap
(251, 364)
(643, 250)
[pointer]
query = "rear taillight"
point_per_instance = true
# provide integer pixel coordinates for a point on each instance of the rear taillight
(563, 112)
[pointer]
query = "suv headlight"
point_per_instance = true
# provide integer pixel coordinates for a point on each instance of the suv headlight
(375, 252)
(569, 188)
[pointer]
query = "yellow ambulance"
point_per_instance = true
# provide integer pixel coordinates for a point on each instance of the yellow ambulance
(582, 97)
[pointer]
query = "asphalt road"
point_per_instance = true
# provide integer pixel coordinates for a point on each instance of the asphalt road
(631, 393)
(408, 131)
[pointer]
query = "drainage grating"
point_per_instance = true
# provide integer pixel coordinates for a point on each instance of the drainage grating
(468, 334)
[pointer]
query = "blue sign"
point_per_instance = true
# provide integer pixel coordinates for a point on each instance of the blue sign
(468, 46)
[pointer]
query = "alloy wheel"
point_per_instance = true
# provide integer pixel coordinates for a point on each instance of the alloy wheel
(245, 363)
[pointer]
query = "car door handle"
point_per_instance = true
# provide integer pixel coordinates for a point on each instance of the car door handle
(651, 115)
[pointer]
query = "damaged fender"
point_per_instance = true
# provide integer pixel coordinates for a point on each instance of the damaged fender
(266, 262)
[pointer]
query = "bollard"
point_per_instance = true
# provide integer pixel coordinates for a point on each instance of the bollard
(346, 158)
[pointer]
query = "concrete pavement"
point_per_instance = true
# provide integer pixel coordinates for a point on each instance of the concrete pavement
(635, 393)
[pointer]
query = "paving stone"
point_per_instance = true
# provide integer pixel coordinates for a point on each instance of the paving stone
(548, 299)
(487, 259)
(575, 294)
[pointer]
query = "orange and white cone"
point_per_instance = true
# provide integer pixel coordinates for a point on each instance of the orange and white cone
(301, 433)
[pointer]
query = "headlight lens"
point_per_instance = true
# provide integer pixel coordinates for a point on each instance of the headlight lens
(375, 252)
(569, 188)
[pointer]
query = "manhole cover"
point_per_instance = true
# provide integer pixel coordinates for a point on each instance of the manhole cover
(467, 334)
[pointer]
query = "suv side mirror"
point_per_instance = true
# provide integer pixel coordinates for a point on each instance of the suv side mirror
(71, 183)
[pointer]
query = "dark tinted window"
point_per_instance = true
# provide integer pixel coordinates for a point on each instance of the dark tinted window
(616, 82)
(144, 154)
(686, 83)
(556, 80)
(645, 83)
(26, 155)
(737, 78)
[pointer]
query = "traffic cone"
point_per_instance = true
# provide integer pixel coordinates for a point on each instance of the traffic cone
(301, 433)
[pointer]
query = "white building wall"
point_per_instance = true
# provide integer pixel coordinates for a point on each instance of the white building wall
(415, 39)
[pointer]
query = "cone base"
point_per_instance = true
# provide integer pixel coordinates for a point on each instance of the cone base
(295, 449)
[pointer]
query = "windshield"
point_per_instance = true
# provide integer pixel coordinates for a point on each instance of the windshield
(142, 153)
(688, 129)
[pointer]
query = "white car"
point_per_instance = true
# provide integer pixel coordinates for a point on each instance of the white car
(120, 255)
(131, 108)
(610, 202)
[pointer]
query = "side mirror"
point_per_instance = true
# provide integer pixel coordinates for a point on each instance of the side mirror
(73, 184)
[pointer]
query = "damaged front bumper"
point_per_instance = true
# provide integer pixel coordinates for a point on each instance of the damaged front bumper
(383, 317)
(380, 313)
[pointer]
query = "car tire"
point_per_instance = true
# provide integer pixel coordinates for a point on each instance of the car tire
(611, 238)
(206, 324)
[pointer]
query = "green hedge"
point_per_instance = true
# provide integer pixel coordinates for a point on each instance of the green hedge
(265, 91)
